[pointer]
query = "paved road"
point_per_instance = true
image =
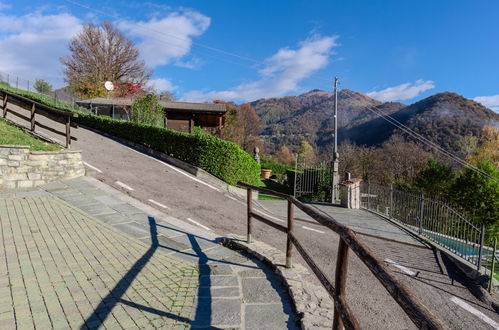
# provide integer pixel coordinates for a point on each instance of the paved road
(175, 192)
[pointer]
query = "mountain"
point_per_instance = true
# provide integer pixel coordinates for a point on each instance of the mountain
(442, 118)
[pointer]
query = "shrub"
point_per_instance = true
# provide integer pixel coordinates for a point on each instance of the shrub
(147, 110)
(221, 158)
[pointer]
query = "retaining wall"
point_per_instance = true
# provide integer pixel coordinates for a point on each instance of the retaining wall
(22, 168)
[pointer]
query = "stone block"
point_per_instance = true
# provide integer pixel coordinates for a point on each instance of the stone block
(22, 169)
(25, 184)
(13, 163)
(4, 151)
(34, 176)
(38, 157)
(10, 184)
(38, 163)
(15, 157)
(18, 176)
(39, 182)
(3, 161)
(14, 151)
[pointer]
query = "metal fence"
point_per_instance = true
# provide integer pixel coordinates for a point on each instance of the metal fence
(432, 219)
(55, 98)
(312, 182)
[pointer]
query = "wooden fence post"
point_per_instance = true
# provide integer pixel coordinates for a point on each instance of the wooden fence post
(291, 227)
(340, 279)
(68, 132)
(33, 122)
(249, 209)
(4, 106)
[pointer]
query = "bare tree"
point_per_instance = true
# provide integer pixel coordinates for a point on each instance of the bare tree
(101, 53)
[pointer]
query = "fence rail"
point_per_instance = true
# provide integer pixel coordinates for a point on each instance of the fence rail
(63, 117)
(432, 219)
(343, 316)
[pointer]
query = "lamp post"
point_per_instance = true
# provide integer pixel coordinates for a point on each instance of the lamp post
(336, 178)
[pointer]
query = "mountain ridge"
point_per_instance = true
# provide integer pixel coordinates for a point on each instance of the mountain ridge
(442, 117)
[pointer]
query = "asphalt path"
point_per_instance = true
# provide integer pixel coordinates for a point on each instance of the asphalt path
(434, 280)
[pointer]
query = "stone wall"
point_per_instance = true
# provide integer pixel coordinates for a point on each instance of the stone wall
(22, 168)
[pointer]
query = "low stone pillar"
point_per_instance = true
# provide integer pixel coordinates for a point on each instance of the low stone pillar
(350, 193)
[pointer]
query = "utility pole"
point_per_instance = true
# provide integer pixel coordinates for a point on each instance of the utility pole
(336, 178)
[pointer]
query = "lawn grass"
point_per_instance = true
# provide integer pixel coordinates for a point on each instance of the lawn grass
(10, 134)
(270, 184)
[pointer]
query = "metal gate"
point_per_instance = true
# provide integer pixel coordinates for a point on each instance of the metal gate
(313, 182)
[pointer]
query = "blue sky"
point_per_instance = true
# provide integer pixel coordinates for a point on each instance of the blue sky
(244, 50)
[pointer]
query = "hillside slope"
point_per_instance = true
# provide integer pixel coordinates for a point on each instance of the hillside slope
(443, 118)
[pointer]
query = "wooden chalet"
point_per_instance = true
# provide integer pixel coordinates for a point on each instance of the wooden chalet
(180, 116)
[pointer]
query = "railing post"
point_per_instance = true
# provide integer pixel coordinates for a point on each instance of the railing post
(492, 269)
(480, 251)
(390, 215)
(340, 279)
(368, 195)
(249, 209)
(421, 214)
(68, 131)
(291, 228)
(33, 110)
(4, 106)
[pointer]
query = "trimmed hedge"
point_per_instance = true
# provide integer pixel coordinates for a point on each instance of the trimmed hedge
(221, 158)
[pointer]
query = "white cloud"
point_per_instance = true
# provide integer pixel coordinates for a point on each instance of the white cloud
(32, 44)
(281, 74)
(491, 102)
(167, 39)
(402, 92)
(161, 85)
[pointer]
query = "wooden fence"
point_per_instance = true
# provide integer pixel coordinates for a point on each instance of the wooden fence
(343, 316)
(36, 108)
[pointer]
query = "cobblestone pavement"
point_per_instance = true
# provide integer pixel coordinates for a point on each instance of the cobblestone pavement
(80, 253)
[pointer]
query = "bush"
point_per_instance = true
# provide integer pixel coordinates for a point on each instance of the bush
(221, 158)
(147, 110)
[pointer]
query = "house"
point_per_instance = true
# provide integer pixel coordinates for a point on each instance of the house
(180, 116)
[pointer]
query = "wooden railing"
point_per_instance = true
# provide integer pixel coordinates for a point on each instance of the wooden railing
(343, 315)
(36, 108)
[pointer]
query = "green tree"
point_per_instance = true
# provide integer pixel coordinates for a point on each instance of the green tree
(436, 179)
(306, 153)
(478, 196)
(147, 110)
(42, 86)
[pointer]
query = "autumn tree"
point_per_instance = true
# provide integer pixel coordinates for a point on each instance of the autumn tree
(285, 156)
(250, 125)
(403, 159)
(102, 53)
(488, 148)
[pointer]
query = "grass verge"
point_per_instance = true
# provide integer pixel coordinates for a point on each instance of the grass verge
(10, 134)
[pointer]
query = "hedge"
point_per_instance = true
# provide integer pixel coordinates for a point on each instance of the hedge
(221, 158)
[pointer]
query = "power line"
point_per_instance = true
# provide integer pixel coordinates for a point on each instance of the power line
(430, 143)
(214, 49)
(386, 117)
